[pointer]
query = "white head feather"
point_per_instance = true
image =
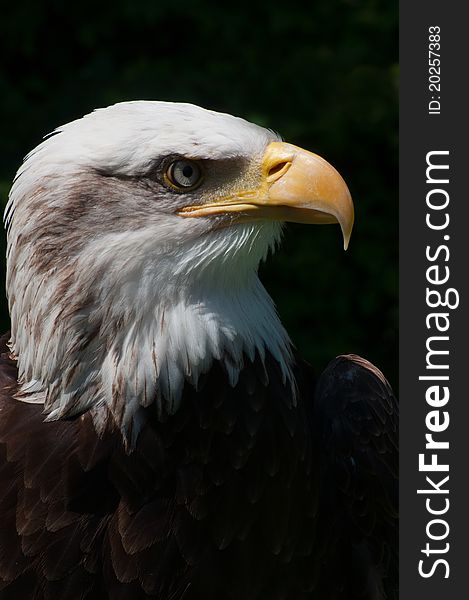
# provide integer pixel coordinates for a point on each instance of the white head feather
(115, 301)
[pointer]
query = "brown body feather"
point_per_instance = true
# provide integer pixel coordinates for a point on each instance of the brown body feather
(241, 495)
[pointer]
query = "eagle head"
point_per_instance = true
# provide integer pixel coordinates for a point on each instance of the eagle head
(134, 239)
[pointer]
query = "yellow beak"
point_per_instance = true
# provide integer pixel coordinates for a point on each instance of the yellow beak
(296, 186)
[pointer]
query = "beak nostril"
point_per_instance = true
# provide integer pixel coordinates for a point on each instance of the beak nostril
(278, 169)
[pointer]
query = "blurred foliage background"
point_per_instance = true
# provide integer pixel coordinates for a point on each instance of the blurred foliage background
(323, 74)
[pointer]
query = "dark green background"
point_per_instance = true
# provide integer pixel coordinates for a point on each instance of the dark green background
(324, 76)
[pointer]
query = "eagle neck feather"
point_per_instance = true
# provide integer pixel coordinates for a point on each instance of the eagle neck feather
(126, 326)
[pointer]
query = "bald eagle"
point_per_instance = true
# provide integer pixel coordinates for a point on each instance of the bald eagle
(159, 436)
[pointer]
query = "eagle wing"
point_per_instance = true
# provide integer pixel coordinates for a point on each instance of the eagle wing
(355, 421)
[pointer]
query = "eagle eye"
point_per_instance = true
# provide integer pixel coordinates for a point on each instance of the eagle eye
(184, 174)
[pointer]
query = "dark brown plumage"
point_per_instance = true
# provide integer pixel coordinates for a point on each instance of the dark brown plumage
(240, 495)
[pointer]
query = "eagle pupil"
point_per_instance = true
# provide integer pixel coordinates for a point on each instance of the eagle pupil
(187, 171)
